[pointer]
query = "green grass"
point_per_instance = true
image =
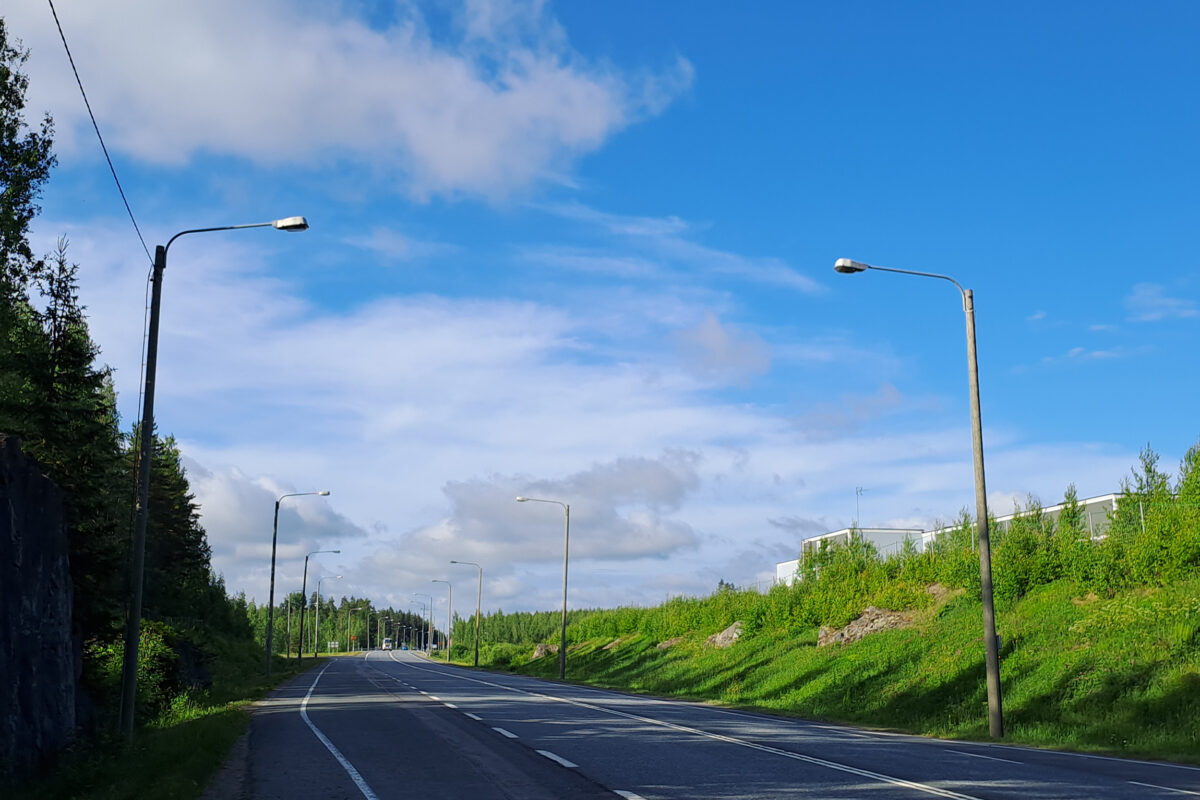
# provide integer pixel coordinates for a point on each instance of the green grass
(176, 754)
(1119, 675)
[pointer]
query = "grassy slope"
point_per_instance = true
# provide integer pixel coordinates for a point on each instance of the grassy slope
(1117, 675)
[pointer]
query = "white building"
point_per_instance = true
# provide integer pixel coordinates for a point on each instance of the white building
(1096, 511)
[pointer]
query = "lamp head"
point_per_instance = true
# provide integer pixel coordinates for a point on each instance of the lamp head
(522, 499)
(849, 266)
(291, 224)
(323, 493)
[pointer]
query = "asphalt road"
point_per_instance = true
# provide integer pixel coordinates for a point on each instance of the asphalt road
(393, 724)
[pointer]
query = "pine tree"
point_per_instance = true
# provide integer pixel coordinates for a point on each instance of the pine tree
(25, 163)
(178, 556)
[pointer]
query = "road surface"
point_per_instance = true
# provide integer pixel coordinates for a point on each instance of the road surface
(392, 724)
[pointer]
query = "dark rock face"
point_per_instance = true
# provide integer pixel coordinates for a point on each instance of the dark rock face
(37, 658)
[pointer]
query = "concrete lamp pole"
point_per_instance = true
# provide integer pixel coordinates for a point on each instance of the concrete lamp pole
(562, 647)
(317, 623)
(304, 599)
(449, 613)
(478, 599)
(990, 643)
(429, 629)
(420, 629)
(271, 595)
(133, 624)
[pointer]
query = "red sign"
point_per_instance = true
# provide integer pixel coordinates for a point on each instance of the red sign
(354, 638)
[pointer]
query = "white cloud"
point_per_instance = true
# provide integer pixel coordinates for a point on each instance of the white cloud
(1150, 303)
(499, 104)
(391, 245)
(665, 238)
(722, 353)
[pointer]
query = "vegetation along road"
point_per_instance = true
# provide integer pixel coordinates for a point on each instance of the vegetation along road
(391, 724)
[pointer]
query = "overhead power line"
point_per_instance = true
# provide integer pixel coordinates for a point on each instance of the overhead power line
(96, 128)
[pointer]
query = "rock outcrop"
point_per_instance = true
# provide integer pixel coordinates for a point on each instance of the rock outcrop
(38, 669)
(872, 620)
(725, 638)
(542, 650)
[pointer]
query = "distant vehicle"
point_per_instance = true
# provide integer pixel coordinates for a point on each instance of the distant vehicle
(403, 647)
(387, 643)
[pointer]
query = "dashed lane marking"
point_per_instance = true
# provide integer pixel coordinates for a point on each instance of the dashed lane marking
(989, 758)
(1166, 788)
(558, 759)
(821, 762)
(503, 732)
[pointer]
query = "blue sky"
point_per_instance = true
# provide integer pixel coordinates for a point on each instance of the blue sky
(584, 251)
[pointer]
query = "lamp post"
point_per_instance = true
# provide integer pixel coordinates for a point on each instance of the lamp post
(271, 595)
(562, 647)
(478, 598)
(304, 599)
(133, 625)
(449, 612)
(429, 628)
(317, 623)
(990, 644)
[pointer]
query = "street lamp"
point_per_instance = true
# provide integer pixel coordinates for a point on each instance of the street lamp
(317, 624)
(429, 630)
(990, 644)
(304, 600)
(133, 625)
(271, 596)
(562, 647)
(478, 598)
(449, 612)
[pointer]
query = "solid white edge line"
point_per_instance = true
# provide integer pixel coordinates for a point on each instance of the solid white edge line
(472, 716)
(864, 773)
(989, 758)
(503, 732)
(558, 759)
(341, 759)
(1165, 788)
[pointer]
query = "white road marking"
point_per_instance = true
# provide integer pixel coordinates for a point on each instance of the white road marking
(558, 759)
(503, 732)
(341, 759)
(628, 795)
(449, 705)
(433, 697)
(989, 758)
(472, 716)
(1166, 788)
(864, 773)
